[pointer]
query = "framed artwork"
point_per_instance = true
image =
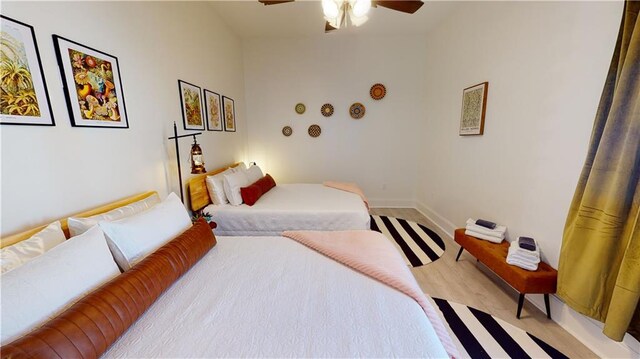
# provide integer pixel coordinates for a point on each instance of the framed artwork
(92, 85)
(229, 114)
(213, 110)
(191, 102)
(24, 99)
(474, 107)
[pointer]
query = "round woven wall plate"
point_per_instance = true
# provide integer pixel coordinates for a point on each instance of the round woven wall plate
(326, 110)
(378, 91)
(300, 108)
(287, 131)
(357, 110)
(314, 130)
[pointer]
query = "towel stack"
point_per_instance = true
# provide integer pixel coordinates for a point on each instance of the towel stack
(495, 235)
(521, 255)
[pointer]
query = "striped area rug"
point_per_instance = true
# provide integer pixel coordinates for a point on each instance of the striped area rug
(418, 244)
(481, 335)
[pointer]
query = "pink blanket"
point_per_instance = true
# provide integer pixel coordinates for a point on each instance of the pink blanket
(348, 187)
(371, 253)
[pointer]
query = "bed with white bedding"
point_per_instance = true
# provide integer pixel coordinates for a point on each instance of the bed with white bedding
(292, 207)
(273, 297)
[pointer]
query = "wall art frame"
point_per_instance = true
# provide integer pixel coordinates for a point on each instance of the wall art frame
(92, 85)
(191, 106)
(25, 99)
(229, 114)
(213, 110)
(474, 109)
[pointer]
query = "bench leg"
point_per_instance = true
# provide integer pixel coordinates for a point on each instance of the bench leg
(520, 303)
(459, 253)
(546, 305)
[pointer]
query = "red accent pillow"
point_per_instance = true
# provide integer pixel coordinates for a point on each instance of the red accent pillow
(251, 194)
(266, 183)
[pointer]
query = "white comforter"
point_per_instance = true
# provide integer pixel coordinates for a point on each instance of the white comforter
(292, 207)
(273, 297)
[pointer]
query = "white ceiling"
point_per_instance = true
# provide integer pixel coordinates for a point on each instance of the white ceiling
(251, 19)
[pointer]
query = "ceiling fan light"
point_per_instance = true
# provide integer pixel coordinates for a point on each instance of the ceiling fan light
(360, 7)
(330, 9)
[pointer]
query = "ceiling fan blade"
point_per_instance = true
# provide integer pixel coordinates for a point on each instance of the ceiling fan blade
(267, 2)
(328, 27)
(408, 6)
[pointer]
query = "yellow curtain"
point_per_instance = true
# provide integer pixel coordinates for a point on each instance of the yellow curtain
(599, 269)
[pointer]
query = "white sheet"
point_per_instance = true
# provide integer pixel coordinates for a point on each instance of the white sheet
(292, 207)
(273, 297)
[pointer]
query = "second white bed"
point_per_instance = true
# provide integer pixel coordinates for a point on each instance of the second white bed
(292, 207)
(274, 297)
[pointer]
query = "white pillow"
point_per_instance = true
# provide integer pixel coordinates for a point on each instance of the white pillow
(232, 184)
(131, 239)
(215, 186)
(254, 173)
(79, 225)
(16, 255)
(47, 285)
(240, 167)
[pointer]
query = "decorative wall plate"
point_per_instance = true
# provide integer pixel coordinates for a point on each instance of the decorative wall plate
(300, 108)
(357, 110)
(287, 131)
(314, 130)
(378, 91)
(326, 110)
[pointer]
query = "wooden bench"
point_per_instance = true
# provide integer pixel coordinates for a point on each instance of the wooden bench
(494, 256)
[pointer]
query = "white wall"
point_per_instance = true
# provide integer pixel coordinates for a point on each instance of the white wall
(379, 152)
(48, 172)
(546, 64)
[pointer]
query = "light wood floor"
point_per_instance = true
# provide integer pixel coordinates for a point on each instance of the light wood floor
(470, 283)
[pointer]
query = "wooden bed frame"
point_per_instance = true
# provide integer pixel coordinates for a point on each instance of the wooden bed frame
(197, 188)
(21, 236)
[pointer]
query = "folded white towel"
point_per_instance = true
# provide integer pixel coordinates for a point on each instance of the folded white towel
(498, 231)
(482, 236)
(484, 231)
(523, 265)
(525, 254)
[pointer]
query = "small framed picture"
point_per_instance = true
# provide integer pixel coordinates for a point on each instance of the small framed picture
(229, 114)
(191, 101)
(92, 85)
(474, 107)
(24, 99)
(213, 110)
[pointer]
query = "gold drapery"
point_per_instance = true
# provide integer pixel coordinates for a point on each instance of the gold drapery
(599, 270)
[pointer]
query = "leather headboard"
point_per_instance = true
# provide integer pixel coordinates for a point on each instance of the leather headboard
(90, 326)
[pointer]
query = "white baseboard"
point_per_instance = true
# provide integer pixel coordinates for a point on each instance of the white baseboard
(443, 224)
(586, 330)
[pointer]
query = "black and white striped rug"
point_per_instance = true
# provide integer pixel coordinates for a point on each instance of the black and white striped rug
(480, 335)
(418, 244)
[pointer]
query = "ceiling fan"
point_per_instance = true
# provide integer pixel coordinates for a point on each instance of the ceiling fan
(341, 13)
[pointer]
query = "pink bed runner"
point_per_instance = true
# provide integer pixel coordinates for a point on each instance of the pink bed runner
(371, 254)
(348, 187)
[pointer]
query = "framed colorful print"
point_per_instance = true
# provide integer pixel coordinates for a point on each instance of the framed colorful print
(92, 85)
(474, 107)
(191, 102)
(229, 114)
(24, 99)
(213, 110)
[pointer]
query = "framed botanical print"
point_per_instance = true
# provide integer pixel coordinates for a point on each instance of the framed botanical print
(213, 110)
(229, 114)
(24, 99)
(92, 85)
(474, 107)
(191, 101)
